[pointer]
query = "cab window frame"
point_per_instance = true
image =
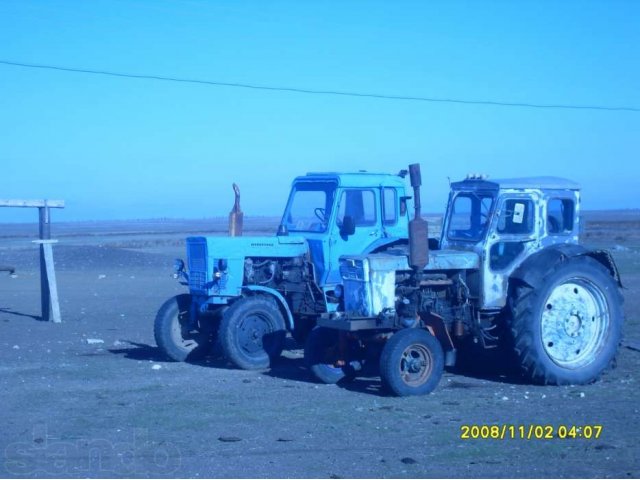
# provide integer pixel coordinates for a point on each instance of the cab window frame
(342, 201)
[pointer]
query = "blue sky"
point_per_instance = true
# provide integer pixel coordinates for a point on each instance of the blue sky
(125, 148)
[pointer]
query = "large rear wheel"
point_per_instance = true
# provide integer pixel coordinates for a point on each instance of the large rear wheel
(568, 329)
(252, 333)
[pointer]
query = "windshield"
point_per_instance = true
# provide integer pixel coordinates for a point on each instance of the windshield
(469, 216)
(309, 207)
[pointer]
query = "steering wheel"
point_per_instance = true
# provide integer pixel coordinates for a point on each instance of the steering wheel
(321, 214)
(464, 234)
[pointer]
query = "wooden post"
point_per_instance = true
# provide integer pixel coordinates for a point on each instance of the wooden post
(45, 234)
(48, 288)
(50, 302)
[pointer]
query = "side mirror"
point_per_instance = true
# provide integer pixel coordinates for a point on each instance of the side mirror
(348, 226)
(403, 205)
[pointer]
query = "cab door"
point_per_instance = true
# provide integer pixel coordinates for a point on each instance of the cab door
(513, 237)
(357, 225)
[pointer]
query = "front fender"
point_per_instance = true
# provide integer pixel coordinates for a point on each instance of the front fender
(280, 300)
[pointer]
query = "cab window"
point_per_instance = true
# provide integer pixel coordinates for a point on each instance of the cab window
(309, 207)
(517, 217)
(560, 216)
(469, 217)
(360, 205)
(390, 215)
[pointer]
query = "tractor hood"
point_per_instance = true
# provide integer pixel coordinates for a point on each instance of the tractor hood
(452, 260)
(438, 260)
(241, 247)
(370, 280)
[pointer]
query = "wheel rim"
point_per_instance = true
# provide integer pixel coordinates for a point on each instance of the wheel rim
(181, 335)
(416, 364)
(253, 333)
(574, 323)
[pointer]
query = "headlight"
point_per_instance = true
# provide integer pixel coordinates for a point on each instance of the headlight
(178, 265)
(220, 269)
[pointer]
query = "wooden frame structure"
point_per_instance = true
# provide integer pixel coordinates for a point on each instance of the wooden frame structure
(50, 306)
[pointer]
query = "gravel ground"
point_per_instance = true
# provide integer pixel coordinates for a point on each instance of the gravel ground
(92, 397)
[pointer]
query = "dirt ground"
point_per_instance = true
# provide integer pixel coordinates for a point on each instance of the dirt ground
(92, 397)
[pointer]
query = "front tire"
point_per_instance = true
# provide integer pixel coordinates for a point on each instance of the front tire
(567, 330)
(177, 336)
(411, 363)
(252, 333)
(321, 352)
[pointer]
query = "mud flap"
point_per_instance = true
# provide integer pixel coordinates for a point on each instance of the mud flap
(437, 328)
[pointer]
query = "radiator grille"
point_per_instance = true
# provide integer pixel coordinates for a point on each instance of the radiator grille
(197, 280)
(197, 265)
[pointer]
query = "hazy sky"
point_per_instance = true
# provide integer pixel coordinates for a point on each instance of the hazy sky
(128, 148)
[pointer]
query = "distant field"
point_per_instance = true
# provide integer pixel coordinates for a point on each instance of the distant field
(602, 226)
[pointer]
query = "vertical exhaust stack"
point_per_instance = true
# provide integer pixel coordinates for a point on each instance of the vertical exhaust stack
(418, 227)
(236, 216)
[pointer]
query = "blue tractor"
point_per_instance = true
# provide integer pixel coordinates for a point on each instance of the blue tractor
(246, 293)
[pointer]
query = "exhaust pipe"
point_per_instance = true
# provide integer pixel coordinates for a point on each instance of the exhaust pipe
(418, 227)
(236, 216)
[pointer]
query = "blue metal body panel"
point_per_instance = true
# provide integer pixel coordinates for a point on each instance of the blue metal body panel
(205, 253)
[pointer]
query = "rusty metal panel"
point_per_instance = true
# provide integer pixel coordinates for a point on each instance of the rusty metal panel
(370, 282)
(452, 260)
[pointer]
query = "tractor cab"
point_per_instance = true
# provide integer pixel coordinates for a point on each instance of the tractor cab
(341, 213)
(506, 221)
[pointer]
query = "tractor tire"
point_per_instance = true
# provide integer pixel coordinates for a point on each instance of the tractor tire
(411, 363)
(320, 354)
(303, 327)
(567, 331)
(252, 333)
(176, 337)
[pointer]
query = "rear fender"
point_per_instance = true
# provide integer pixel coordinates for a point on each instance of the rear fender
(280, 301)
(606, 259)
(382, 244)
(532, 270)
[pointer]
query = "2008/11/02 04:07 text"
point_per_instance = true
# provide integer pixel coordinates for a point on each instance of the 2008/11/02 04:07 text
(529, 432)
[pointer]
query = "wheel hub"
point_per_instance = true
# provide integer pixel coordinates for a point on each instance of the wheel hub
(415, 365)
(573, 323)
(252, 331)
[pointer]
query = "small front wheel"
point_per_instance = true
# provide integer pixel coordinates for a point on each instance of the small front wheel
(177, 335)
(411, 363)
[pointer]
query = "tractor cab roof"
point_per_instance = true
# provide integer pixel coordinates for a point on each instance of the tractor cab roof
(355, 180)
(528, 183)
